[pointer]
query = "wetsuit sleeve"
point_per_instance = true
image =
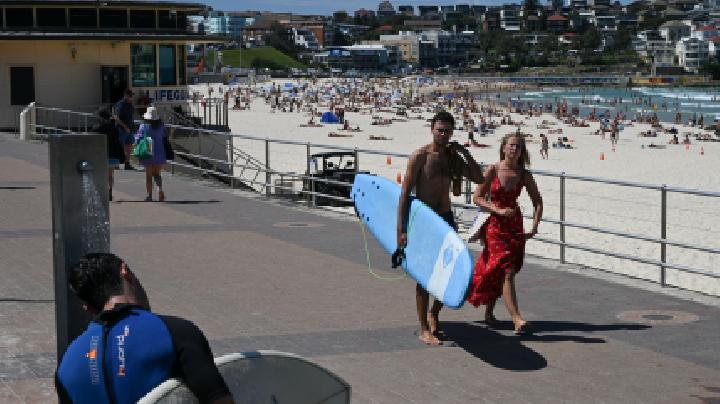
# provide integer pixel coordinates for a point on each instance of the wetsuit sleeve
(63, 396)
(195, 363)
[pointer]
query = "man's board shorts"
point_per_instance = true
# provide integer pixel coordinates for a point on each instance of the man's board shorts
(125, 137)
(450, 219)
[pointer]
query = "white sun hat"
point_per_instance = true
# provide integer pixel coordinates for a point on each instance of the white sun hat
(151, 114)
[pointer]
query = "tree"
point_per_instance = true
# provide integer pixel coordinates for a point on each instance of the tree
(623, 39)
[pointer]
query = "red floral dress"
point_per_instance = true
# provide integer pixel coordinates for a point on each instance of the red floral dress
(504, 241)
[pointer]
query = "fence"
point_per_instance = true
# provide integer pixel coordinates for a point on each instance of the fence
(265, 175)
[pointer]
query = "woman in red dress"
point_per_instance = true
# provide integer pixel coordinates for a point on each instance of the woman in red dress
(502, 233)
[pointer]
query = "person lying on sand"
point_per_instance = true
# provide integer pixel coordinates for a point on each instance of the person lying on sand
(379, 137)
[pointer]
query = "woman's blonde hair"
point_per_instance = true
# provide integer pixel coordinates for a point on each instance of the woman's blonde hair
(524, 155)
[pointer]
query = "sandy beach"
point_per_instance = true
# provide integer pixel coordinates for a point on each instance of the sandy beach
(691, 219)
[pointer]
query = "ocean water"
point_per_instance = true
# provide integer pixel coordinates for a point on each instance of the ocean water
(666, 102)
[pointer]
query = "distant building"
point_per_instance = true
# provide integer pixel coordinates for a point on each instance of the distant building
(407, 42)
(422, 25)
(428, 11)
(510, 18)
(306, 38)
(81, 54)
(406, 10)
(363, 13)
(692, 53)
(385, 10)
(361, 58)
(220, 23)
(557, 23)
(674, 30)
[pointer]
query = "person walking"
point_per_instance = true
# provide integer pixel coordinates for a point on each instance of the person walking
(430, 171)
(127, 350)
(123, 117)
(544, 147)
(116, 155)
(502, 233)
(155, 130)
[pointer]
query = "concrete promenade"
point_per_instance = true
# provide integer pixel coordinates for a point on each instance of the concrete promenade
(260, 274)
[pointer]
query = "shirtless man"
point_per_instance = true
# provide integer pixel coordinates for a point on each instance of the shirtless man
(429, 172)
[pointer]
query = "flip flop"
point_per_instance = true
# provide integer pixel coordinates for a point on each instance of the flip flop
(525, 329)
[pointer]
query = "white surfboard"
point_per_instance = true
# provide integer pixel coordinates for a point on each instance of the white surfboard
(264, 377)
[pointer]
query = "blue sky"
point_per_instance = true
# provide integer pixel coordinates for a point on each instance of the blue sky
(327, 6)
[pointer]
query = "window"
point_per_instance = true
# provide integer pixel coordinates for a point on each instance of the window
(167, 65)
(22, 85)
(19, 17)
(167, 19)
(50, 17)
(83, 18)
(142, 58)
(181, 64)
(142, 19)
(113, 18)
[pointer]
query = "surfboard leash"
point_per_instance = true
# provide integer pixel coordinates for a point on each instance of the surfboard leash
(367, 251)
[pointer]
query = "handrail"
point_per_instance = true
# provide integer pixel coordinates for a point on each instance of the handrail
(262, 167)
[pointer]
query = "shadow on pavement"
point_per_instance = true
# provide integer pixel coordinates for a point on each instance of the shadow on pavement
(555, 326)
(498, 350)
(169, 202)
(16, 188)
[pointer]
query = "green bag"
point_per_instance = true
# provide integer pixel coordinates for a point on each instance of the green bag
(143, 148)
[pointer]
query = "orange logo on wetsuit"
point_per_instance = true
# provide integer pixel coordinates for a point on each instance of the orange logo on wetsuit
(92, 354)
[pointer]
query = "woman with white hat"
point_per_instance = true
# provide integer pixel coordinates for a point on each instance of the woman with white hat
(155, 130)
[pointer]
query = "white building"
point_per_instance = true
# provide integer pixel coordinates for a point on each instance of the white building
(674, 30)
(692, 53)
(305, 38)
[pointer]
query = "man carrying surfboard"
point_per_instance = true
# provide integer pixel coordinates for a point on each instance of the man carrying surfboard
(430, 172)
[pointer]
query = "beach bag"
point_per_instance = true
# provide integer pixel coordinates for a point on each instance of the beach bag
(143, 148)
(169, 152)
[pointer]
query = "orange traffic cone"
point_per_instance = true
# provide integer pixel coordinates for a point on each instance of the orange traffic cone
(388, 160)
(602, 155)
(702, 151)
(398, 178)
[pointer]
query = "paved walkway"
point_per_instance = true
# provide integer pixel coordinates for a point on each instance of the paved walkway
(251, 277)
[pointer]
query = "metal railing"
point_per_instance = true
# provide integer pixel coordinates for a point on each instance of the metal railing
(309, 193)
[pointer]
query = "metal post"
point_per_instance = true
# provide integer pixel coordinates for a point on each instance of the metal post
(267, 167)
(307, 171)
(86, 131)
(663, 233)
(468, 196)
(81, 223)
(357, 158)
(562, 217)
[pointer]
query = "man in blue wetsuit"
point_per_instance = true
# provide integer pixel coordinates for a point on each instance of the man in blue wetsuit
(127, 350)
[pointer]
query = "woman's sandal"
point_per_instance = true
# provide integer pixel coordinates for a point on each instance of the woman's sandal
(525, 329)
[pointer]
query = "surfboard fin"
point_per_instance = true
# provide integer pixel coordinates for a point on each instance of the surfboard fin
(398, 257)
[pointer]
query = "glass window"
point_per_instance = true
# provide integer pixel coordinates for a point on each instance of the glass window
(113, 18)
(19, 17)
(167, 65)
(142, 58)
(50, 17)
(181, 64)
(182, 21)
(142, 18)
(83, 18)
(167, 19)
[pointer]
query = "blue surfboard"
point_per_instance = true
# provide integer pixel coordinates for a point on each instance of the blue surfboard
(436, 257)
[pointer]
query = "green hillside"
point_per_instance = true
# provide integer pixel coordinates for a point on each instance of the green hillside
(256, 57)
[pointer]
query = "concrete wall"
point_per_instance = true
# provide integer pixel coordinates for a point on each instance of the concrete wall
(60, 79)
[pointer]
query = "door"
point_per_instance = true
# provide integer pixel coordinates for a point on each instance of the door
(22, 85)
(114, 83)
